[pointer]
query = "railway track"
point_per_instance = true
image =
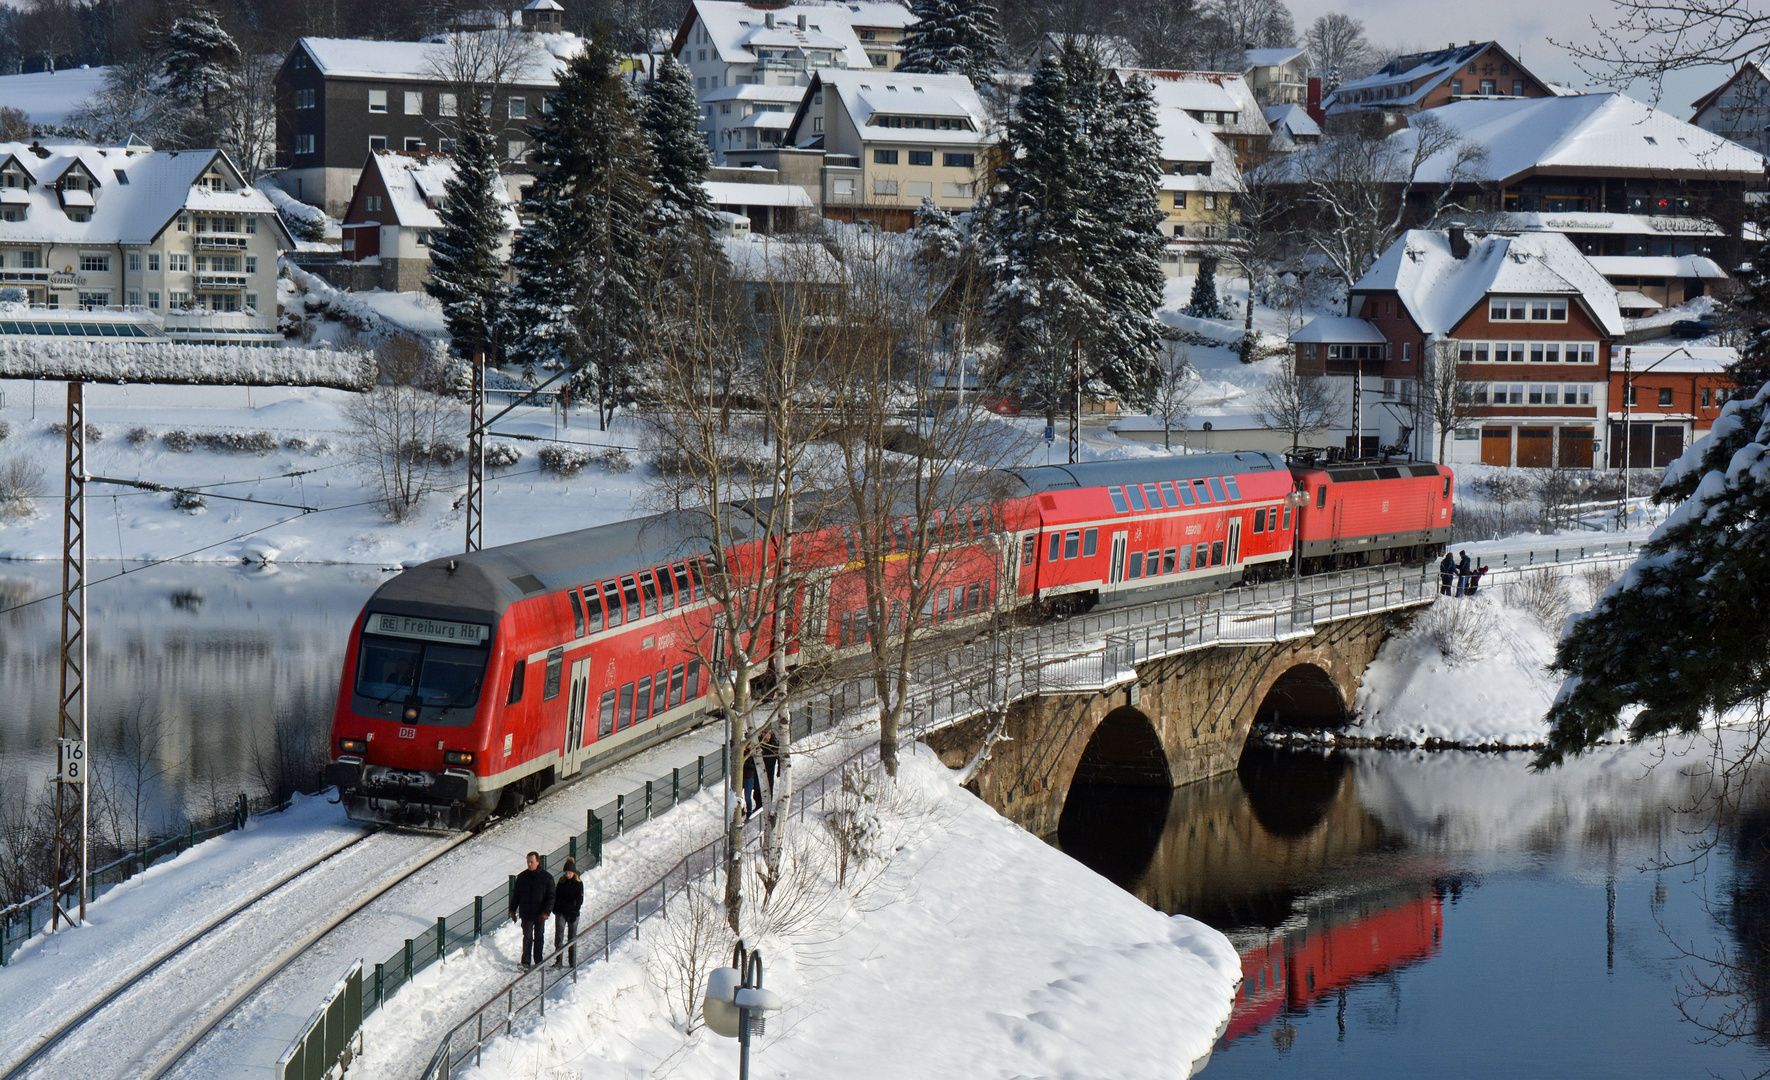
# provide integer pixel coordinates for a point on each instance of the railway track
(142, 1026)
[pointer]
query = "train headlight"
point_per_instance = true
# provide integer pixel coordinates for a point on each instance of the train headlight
(353, 746)
(458, 757)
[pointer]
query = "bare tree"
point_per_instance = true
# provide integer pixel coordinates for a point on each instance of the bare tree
(405, 431)
(1254, 221)
(15, 126)
(130, 101)
(478, 66)
(1651, 39)
(249, 124)
(1338, 50)
(1446, 398)
(1171, 391)
(1361, 187)
(1298, 405)
(130, 769)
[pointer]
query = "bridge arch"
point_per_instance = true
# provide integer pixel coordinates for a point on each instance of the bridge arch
(1304, 695)
(1125, 750)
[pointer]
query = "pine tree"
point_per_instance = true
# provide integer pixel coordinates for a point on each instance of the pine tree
(1127, 344)
(584, 276)
(1685, 634)
(466, 271)
(1750, 311)
(939, 238)
(1203, 303)
(953, 37)
(201, 64)
(681, 218)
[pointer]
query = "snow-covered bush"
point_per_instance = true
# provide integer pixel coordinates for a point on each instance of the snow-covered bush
(296, 444)
(239, 442)
(501, 455)
(93, 432)
(564, 460)
(5, 430)
(182, 442)
(1544, 595)
(139, 436)
(384, 424)
(21, 482)
(694, 938)
(444, 454)
(615, 460)
(190, 502)
(1461, 628)
(1598, 577)
(853, 824)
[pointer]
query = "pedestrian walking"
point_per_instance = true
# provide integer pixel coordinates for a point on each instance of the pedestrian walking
(531, 901)
(771, 755)
(752, 786)
(1447, 571)
(1463, 571)
(568, 900)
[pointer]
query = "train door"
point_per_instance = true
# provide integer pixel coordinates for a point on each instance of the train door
(574, 718)
(1234, 541)
(1119, 540)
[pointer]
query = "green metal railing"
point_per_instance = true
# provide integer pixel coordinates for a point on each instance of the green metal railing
(334, 1036)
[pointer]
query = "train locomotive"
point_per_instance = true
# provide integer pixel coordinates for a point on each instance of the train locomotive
(472, 683)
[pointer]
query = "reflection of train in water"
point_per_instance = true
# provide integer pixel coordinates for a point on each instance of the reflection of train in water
(1345, 941)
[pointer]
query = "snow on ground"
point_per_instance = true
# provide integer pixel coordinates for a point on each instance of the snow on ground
(50, 97)
(979, 952)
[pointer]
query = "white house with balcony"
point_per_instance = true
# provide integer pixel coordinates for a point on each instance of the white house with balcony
(178, 234)
(751, 63)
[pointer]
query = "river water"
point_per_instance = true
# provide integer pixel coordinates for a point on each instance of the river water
(1453, 914)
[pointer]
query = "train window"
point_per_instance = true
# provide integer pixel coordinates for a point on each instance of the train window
(675, 686)
(1287, 519)
(1260, 520)
(895, 626)
(1135, 494)
(642, 703)
(630, 593)
(1090, 543)
(649, 589)
(1229, 486)
(1170, 561)
(845, 635)
(1185, 559)
(624, 714)
(1135, 570)
(592, 609)
(1184, 490)
(1072, 543)
(974, 598)
(1152, 564)
(577, 614)
(517, 675)
(1117, 495)
(1029, 549)
(660, 692)
(1203, 493)
(698, 569)
(555, 663)
(1168, 495)
(1154, 495)
(853, 551)
(1056, 542)
(665, 588)
(1202, 557)
(684, 588)
(1447, 485)
(1321, 497)
(943, 602)
(900, 533)
(605, 725)
(385, 668)
(693, 686)
(1217, 553)
(1217, 488)
(611, 598)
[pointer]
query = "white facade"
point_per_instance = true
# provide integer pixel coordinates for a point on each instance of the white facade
(1738, 109)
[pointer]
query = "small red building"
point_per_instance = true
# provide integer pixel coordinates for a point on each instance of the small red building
(1678, 393)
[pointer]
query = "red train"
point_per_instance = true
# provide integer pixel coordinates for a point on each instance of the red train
(473, 682)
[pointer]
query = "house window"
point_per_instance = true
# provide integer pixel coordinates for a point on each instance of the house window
(304, 144)
(517, 148)
(91, 300)
(422, 238)
(1456, 87)
(446, 146)
(956, 191)
(153, 300)
(1707, 397)
(1487, 87)
(251, 264)
(135, 260)
(177, 262)
(885, 157)
(884, 187)
(446, 106)
(1665, 397)
(921, 157)
(153, 262)
(817, 123)
(842, 187)
(304, 99)
(1407, 351)
(725, 110)
(377, 101)
(252, 300)
(134, 298)
(959, 161)
(519, 108)
(919, 189)
(414, 103)
(1517, 87)
(1210, 200)
(413, 145)
(377, 142)
(176, 299)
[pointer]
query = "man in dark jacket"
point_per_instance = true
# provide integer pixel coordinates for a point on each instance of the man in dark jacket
(1464, 569)
(1447, 572)
(532, 901)
(568, 900)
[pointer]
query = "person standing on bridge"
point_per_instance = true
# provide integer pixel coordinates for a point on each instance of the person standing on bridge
(1464, 569)
(1447, 572)
(532, 901)
(568, 900)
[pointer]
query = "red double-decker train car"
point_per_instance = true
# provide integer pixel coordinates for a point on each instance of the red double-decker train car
(473, 682)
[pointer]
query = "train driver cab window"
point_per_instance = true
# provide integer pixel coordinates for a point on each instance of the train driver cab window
(1216, 489)
(1185, 491)
(592, 608)
(1117, 495)
(1135, 570)
(1203, 493)
(1029, 550)
(669, 594)
(650, 590)
(428, 675)
(605, 724)
(1072, 543)
(611, 599)
(577, 614)
(517, 674)
(1135, 494)
(1217, 553)
(1447, 487)
(1056, 542)
(630, 593)
(1090, 543)
(1321, 497)
(555, 664)
(1229, 486)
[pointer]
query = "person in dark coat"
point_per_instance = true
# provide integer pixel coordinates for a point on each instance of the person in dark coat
(1464, 568)
(532, 901)
(752, 786)
(1447, 572)
(568, 900)
(771, 755)
(1475, 580)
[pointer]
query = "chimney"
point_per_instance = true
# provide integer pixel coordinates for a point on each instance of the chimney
(1313, 106)
(1459, 239)
(801, 20)
(768, 19)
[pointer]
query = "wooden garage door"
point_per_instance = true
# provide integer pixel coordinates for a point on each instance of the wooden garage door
(1576, 448)
(1496, 446)
(1668, 443)
(1536, 447)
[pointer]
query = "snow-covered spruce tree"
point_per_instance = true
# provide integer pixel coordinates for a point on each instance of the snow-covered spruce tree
(681, 219)
(1127, 344)
(466, 272)
(939, 238)
(201, 64)
(953, 37)
(1203, 303)
(583, 279)
(1685, 633)
(1750, 310)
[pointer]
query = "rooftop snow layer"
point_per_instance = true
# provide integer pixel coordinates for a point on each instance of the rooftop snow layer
(415, 188)
(728, 193)
(1271, 57)
(886, 93)
(735, 28)
(1666, 266)
(350, 58)
(1206, 91)
(1338, 329)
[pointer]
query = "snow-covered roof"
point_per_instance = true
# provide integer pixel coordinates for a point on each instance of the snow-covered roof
(761, 258)
(1665, 266)
(1217, 92)
(1293, 118)
(1439, 290)
(866, 94)
(771, 121)
(349, 58)
(51, 97)
(1405, 80)
(1676, 359)
(1590, 133)
(543, 5)
(729, 193)
(1339, 330)
(738, 29)
(1272, 57)
(415, 188)
(1634, 300)
(139, 193)
(786, 95)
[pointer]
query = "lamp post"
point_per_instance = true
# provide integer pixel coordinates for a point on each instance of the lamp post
(736, 1005)
(1296, 500)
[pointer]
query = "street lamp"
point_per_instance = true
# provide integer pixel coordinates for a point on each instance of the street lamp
(736, 1005)
(1296, 500)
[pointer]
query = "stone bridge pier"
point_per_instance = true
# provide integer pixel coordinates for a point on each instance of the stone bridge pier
(1185, 717)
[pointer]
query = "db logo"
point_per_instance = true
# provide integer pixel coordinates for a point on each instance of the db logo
(408, 733)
